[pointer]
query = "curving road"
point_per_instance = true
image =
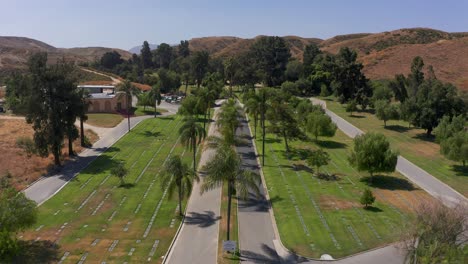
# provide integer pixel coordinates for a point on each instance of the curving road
(418, 176)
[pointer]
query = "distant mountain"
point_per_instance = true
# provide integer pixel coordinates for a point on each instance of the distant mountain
(382, 54)
(137, 49)
(15, 51)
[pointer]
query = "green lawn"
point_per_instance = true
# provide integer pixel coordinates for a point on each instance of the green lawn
(93, 218)
(317, 216)
(412, 143)
(141, 111)
(104, 119)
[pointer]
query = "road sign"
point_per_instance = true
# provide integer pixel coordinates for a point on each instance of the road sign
(229, 245)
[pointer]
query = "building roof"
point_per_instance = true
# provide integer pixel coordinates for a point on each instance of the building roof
(101, 96)
(97, 86)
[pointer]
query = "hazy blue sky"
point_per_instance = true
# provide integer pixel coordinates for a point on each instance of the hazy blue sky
(126, 23)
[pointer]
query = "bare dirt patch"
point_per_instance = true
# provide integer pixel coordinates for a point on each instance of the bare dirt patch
(25, 168)
(328, 202)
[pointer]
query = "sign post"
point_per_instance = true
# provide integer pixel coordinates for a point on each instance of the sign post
(229, 245)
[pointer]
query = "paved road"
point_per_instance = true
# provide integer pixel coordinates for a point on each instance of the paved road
(46, 187)
(256, 234)
(418, 176)
(197, 241)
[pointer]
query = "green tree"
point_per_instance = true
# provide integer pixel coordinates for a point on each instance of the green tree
(17, 213)
(155, 97)
(163, 56)
(399, 87)
(290, 88)
(82, 113)
(447, 128)
(318, 158)
(382, 92)
(191, 135)
(128, 90)
(283, 123)
(111, 59)
(416, 77)
(349, 80)
(226, 167)
(367, 198)
(294, 70)
(228, 121)
(230, 70)
(456, 147)
(146, 56)
(144, 100)
(319, 124)
(177, 174)
(183, 49)
(199, 65)
(189, 106)
(351, 107)
(271, 55)
(120, 172)
(386, 111)
(372, 153)
(311, 52)
(252, 107)
(49, 104)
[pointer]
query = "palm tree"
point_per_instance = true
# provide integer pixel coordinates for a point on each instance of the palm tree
(226, 167)
(228, 120)
(191, 135)
(253, 107)
(155, 96)
(84, 95)
(128, 90)
(177, 174)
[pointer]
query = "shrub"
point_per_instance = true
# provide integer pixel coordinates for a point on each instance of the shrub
(367, 198)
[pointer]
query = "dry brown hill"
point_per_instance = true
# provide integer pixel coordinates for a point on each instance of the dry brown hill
(388, 53)
(231, 46)
(15, 51)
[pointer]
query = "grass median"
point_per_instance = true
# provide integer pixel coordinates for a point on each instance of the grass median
(323, 216)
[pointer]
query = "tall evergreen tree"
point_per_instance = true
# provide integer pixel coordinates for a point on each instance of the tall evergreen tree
(183, 48)
(146, 56)
(199, 65)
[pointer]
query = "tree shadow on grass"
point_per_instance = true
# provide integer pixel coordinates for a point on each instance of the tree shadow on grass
(151, 134)
(373, 209)
(425, 137)
(271, 140)
(296, 153)
(357, 116)
(127, 185)
(398, 128)
(388, 183)
(330, 144)
(42, 251)
(460, 170)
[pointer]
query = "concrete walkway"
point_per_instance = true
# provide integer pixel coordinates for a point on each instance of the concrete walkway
(46, 187)
(418, 176)
(197, 240)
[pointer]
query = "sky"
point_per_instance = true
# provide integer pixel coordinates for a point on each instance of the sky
(127, 23)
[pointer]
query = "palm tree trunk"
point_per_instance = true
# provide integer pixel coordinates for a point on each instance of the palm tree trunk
(180, 202)
(229, 210)
(128, 111)
(70, 145)
(82, 136)
(194, 156)
(155, 104)
(286, 141)
(56, 153)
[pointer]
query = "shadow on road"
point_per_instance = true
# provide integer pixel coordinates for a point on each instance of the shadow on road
(269, 256)
(205, 219)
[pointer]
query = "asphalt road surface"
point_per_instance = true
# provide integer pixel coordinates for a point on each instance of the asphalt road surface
(256, 234)
(197, 241)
